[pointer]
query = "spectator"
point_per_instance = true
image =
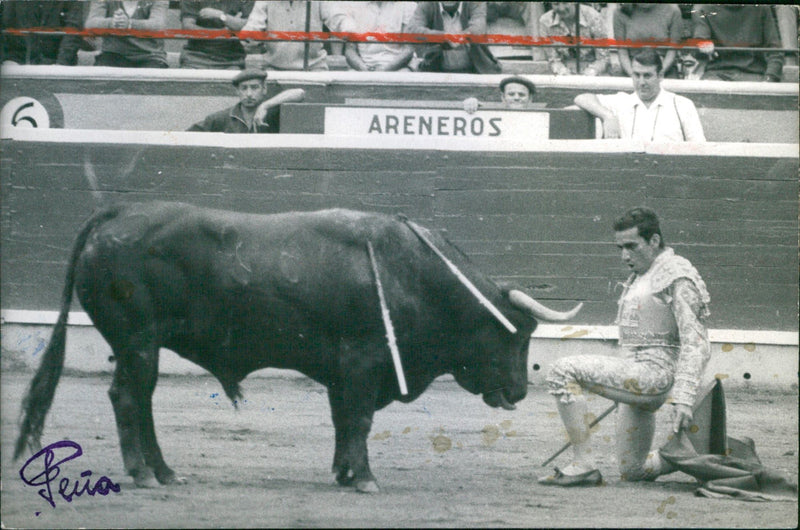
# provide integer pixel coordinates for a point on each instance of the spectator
(650, 114)
(787, 18)
(380, 17)
(649, 22)
(291, 16)
(526, 14)
(740, 26)
(213, 14)
(130, 52)
(560, 22)
(254, 113)
(42, 49)
(439, 18)
(515, 92)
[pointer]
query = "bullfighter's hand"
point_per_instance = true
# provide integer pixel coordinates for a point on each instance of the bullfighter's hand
(681, 417)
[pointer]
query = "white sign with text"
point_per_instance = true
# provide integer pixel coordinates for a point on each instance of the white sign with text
(439, 123)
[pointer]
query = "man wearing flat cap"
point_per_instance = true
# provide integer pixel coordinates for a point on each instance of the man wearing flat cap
(254, 113)
(516, 93)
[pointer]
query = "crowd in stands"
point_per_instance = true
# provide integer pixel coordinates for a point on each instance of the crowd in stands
(720, 26)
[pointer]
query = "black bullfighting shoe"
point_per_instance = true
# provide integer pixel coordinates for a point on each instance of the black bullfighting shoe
(590, 478)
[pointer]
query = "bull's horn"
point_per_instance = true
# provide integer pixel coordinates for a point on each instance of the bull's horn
(523, 301)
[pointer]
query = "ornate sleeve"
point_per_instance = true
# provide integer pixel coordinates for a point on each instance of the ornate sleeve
(695, 349)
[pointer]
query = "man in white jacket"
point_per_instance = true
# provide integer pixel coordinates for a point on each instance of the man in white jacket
(650, 113)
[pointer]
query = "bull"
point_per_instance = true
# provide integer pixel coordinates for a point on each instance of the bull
(235, 293)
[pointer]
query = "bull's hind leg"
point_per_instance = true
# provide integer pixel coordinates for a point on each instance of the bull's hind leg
(131, 394)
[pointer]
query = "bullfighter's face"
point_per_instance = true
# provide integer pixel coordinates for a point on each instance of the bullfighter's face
(637, 254)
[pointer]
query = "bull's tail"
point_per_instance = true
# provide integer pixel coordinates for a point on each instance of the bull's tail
(43, 385)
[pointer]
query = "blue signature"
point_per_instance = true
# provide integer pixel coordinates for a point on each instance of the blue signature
(42, 470)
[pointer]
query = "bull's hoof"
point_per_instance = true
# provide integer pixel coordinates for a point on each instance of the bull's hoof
(145, 479)
(367, 486)
(167, 477)
(345, 478)
(175, 480)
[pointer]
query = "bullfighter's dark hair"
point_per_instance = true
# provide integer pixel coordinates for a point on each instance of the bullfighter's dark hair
(648, 57)
(644, 219)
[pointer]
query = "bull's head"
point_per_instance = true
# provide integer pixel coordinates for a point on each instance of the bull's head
(494, 363)
(504, 379)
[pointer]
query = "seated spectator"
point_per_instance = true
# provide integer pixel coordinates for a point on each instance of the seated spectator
(439, 18)
(526, 14)
(130, 52)
(291, 16)
(650, 114)
(213, 14)
(515, 93)
(254, 113)
(649, 22)
(738, 25)
(42, 49)
(560, 22)
(380, 17)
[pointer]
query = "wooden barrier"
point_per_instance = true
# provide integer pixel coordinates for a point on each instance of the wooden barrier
(152, 99)
(537, 214)
(381, 119)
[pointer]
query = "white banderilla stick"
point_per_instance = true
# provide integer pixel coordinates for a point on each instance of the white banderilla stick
(464, 280)
(387, 323)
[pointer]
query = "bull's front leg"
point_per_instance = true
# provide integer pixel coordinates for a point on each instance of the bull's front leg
(352, 420)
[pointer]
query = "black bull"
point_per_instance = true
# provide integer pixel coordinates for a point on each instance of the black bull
(236, 293)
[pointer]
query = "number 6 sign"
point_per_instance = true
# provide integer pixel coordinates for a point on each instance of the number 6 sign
(24, 112)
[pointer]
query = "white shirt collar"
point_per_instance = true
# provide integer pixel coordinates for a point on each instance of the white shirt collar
(662, 99)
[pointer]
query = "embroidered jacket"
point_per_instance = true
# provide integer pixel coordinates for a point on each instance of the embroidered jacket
(662, 316)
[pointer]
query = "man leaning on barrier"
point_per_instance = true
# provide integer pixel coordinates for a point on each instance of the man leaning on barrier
(661, 319)
(650, 113)
(254, 113)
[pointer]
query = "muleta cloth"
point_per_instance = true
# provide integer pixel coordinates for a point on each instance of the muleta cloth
(520, 80)
(727, 467)
(247, 75)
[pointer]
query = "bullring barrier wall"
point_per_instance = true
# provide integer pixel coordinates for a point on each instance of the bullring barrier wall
(535, 214)
(152, 99)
